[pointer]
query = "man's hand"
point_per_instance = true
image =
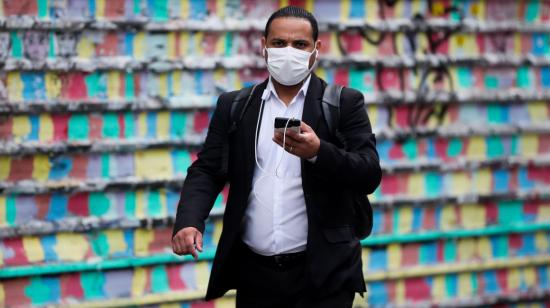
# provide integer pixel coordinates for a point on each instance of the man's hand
(305, 145)
(187, 241)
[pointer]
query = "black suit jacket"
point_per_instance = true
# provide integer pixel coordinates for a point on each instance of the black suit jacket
(340, 172)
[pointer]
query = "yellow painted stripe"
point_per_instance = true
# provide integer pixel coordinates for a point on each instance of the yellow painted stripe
(530, 277)
(163, 125)
(394, 256)
(473, 216)
(139, 45)
(541, 241)
(483, 181)
(438, 288)
(15, 86)
(163, 84)
(309, 5)
(513, 279)
(344, 10)
(202, 271)
(33, 249)
(71, 246)
(5, 166)
(538, 111)
(220, 8)
(478, 10)
(448, 218)
(85, 47)
(140, 204)
(113, 85)
(464, 285)
(142, 124)
(405, 219)
(466, 249)
(21, 127)
(142, 240)
(416, 185)
(176, 82)
(484, 248)
(46, 128)
(3, 213)
(116, 241)
(283, 3)
(139, 281)
(476, 148)
(400, 292)
(41, 168)
(2, 292)
(171, 45)
(371, 7)
(184, 9)
(100, 8)
(53, 85)
(529, 145)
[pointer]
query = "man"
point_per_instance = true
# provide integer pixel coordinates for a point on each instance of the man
(287, 238)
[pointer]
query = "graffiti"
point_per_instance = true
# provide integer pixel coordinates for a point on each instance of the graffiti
(36, 45)
(5, 45)
(66, 43)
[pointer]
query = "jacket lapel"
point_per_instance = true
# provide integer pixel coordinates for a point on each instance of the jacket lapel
(248, 124)
(312, 113)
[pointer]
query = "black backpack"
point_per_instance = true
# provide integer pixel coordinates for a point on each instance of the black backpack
(331, 113)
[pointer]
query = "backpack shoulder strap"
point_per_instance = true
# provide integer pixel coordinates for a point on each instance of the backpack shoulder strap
(331, 107)
(237, 107)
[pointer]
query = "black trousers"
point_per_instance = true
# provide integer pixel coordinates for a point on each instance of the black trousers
(261, 286)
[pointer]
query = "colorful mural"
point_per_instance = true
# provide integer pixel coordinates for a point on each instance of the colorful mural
(104, 105)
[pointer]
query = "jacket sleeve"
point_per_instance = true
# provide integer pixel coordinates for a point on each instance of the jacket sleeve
(205, 178)
(357, 165)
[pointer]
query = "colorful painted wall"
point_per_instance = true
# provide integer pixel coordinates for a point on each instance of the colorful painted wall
(104, 104)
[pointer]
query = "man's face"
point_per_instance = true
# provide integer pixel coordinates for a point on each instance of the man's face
(291, 31)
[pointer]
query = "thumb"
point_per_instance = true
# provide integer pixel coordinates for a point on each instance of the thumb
(198, 241)
(305, 128)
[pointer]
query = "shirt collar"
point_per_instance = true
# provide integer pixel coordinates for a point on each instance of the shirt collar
(270, 89)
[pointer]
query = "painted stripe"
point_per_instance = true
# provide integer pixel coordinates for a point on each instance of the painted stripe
(208, 255)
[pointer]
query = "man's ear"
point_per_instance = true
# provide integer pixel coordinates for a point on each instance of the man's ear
(318, 45)
(262, 43)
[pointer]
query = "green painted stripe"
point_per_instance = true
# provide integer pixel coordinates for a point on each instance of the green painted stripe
(435, 235)
(22, 271)
(208, 255)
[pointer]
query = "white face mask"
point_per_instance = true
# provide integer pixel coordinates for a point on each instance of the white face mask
(289, 65)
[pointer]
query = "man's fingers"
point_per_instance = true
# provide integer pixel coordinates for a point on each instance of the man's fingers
(190, 245)
(176, 246)
(294, 136)
(198, 240)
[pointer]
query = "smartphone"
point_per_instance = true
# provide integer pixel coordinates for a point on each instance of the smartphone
(293, 124)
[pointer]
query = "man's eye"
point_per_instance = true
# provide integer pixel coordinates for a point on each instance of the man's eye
(278, 44)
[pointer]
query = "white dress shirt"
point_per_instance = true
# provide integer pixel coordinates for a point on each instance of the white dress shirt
(275, 220)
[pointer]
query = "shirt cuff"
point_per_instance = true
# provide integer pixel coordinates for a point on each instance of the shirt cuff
(313, 159)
